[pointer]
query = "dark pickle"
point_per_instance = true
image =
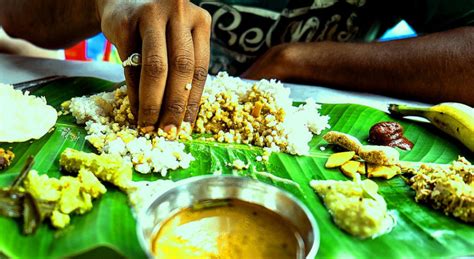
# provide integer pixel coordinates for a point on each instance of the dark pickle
(389, 134)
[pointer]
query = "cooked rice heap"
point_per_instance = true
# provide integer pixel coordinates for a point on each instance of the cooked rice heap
(110, 129)
(23, 116)
(232, 110)
(450, 189)
(260, 114)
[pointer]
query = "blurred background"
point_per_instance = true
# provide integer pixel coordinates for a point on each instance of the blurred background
(98, 48)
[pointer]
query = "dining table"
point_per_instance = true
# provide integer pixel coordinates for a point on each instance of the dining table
(420, 231)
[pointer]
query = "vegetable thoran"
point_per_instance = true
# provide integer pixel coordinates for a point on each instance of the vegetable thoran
(449, 189)
(355, 206)
(6, 157)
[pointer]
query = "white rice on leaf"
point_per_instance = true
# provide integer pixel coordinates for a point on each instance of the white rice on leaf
(24, 116)
(231, 101)
(108, 123)
(232, 110)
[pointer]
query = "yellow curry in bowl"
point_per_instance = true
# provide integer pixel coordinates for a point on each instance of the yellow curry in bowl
(226, 217)
(231, 229)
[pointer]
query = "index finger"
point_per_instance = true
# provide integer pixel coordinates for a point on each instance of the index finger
(153, 74)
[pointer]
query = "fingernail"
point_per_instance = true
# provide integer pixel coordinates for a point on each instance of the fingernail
(169, 128)
(147, 129)
(171, 131)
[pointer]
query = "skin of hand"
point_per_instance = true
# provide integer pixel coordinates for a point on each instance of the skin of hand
(172, 36)
(433, 68)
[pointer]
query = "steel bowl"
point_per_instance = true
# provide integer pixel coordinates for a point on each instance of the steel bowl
(190, 191)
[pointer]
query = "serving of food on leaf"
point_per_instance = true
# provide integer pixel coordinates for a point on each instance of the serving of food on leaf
(369, 179)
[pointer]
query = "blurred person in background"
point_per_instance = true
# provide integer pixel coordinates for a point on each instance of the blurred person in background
(21, 47)
(326, 42)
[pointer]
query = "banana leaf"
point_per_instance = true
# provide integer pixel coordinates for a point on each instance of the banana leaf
(109, 229)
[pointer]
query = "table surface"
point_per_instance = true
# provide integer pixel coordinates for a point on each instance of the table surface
(14, 69)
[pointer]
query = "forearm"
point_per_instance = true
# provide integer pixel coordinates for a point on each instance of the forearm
(50, 23)
(433, 68)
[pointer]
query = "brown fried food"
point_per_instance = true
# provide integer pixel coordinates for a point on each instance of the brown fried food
(6, 158)
(448, 189)
(381, 155)
(344, 140)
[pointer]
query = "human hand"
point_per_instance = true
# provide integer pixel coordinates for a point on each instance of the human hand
(173, 38)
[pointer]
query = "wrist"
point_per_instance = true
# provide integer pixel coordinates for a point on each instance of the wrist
(272, 63)
(283, 59)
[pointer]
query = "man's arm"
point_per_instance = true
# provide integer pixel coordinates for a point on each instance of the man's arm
(433, 68)
(50, 23)
(24, 48)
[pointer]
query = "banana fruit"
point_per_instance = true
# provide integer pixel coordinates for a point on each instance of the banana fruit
(455, 119)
